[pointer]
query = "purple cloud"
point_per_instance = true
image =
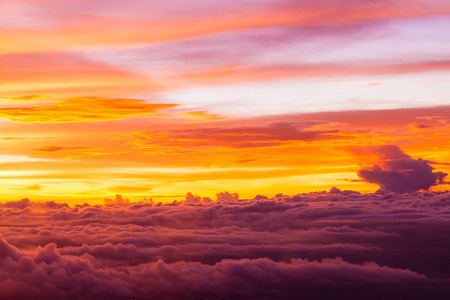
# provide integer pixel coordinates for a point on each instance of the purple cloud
(397, 171)
(337, 244)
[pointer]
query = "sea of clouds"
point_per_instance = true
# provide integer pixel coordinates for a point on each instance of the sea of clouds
(326, 245)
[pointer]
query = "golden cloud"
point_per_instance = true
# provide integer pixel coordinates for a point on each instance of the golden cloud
(82, 109)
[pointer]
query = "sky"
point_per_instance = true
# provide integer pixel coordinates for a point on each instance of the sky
(152, 99)
(210, 149)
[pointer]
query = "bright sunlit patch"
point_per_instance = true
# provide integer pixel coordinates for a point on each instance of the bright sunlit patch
(20, 158)
(22, 173)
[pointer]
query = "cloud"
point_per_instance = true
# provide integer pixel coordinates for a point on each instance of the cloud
(372, 84)
(47, 273)
(201, 116)
(66, 72)
(248, 73)
(264, 135)
(82, 109)
(34, 187)
(226, 196)
(397, 171)
(7, 250)
(338, 244)
(438, 122)
(46, 150)
(56, 27)
(118, 199)
(60, 148)
(190, 198)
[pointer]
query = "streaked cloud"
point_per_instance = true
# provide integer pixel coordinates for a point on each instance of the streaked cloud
(82, 109)
(266, 135)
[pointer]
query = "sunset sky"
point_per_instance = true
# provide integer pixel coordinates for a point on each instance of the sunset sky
(224, 149)
(155, 99)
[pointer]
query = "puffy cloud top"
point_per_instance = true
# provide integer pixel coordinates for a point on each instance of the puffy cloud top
(340, 245)
(397, 171)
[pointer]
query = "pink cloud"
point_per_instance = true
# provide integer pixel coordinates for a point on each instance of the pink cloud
(326, 244)
(47, 273)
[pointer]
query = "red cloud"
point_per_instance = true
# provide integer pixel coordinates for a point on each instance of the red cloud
(266, 135)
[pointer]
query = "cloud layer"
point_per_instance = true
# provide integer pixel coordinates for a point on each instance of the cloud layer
(340, 244)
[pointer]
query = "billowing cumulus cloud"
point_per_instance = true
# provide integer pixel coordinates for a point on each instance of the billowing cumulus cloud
(226, 196)
(397, 171)
(340, 244)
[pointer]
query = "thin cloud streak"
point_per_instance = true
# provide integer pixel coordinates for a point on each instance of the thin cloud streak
(82, 109)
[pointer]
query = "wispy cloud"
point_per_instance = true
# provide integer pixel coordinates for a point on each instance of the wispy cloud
(82, 109)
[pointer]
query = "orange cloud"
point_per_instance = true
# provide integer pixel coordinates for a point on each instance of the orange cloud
(72, 152)
(34, 187)
(82, 109)
(202, 116)
(265, 135)
(47, 150)
(59, 148)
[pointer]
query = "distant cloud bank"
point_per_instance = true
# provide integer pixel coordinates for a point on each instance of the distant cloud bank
(340, 244)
